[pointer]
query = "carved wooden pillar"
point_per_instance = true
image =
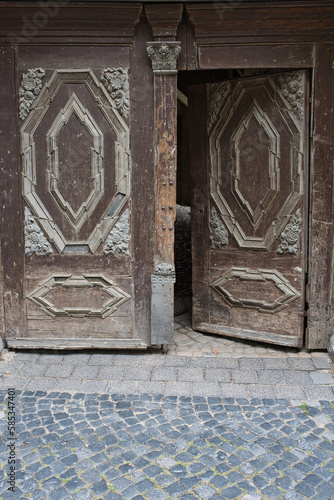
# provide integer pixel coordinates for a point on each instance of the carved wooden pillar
(164, 52)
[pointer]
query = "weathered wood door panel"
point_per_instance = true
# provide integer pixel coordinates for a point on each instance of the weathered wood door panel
(76, 186)
(248, 157)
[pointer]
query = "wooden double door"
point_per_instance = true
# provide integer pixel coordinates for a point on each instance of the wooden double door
(248, 163)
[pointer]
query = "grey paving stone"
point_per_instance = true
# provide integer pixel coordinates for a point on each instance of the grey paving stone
(251, 364)
(244, 376)
(110, 373)
(165, 374)
(33, 369)
(85, 372)
(26, 356)
(137, 373)
(217, 375)
(178, 389)
(208, 389)
(76, 358)
(290, 391)
(58, 370)
(322, 362)
(261, 391)
(103, 359)
(13, 381)
(320, 392)
(190, 374)
(276, 363)
(213, 362)
(50, 358)
(297, 377)
(93, 386)
(234, 390)
(305, 364)
(322, 378)
(267, 376)
(10, 368)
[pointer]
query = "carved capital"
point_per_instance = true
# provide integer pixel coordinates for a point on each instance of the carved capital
(164, 56)
(163, 273)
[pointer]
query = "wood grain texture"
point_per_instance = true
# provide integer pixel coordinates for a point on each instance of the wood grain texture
(255, 56)
(142, 124)
(321, 306)
(24, 22)
(164, 19)
(11, 236)
(278, 21)
(199, 204)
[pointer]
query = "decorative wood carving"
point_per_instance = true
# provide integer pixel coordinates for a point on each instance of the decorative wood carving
(290, 235)
(217, 97)
(258, 118)
(66, 288)
(218, 232)
(291, 89)
(118, 241)
(163, 273)
(122, 161)
(164, 56)
(75, 107)
(116, 81)
(31, 86)
(261, 119)
(270, 276)
(35, 240)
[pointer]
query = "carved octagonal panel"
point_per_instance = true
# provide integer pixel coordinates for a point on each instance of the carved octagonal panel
(256, 159)
(79, 296)
(63, 214)
(240, 142)
(276, 292)
(75, 110)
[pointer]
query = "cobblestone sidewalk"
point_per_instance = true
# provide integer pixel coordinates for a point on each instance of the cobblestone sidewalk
(154, 447)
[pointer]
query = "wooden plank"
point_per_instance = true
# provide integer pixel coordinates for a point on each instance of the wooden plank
(142, 119)
(321, 307)
(71, 344)
(24, 22)
(199, 204)
(11, 235)
(255, 56)
(258, 336)
(285, 20)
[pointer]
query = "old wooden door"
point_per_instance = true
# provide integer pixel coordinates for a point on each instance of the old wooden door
(249, 197)
(74, 109)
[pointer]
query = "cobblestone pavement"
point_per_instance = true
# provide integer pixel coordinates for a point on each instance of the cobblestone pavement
(215, 418)
(154, 447)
